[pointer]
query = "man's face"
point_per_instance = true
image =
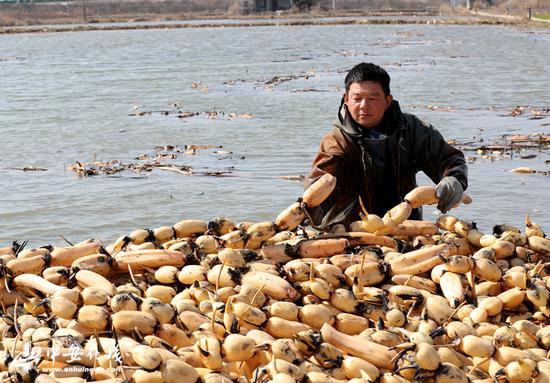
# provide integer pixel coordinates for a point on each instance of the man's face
(367, 103)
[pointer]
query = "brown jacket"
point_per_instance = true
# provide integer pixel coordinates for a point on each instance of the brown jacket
(410, 146)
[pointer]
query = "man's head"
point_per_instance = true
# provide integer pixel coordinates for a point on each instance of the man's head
(367, 94)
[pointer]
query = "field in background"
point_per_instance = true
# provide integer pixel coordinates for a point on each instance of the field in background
(41, 12)
(27, 12)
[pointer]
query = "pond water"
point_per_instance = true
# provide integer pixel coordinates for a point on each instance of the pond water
(67, 97)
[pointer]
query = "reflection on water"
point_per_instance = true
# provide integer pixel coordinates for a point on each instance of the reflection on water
(71, 97)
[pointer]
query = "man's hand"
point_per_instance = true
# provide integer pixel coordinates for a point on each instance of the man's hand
(449, 191)
(314, 215)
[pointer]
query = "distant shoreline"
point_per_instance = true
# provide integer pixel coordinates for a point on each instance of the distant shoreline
(267, 22)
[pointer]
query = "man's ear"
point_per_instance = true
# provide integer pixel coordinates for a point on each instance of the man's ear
(345, 97)
(389, 100)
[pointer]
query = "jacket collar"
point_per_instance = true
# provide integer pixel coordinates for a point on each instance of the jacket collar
(393, 119)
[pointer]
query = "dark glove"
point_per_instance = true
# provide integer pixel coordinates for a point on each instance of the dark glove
(315, 215)
(449, 191)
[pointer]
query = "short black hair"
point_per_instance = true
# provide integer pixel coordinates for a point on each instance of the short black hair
(368, 72)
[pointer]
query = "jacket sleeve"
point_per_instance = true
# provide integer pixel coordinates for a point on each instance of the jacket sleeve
(437, 158)
(331, 158)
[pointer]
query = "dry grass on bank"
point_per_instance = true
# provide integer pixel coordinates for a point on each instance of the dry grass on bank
(156, 10)
(110, 10)
(94, 11)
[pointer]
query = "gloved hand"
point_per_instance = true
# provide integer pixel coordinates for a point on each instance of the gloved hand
(449, 191)
(315, 215)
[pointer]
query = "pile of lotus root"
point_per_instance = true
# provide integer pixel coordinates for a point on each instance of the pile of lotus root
(385, 300)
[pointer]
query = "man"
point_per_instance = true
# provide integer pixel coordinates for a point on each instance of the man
(374, 150)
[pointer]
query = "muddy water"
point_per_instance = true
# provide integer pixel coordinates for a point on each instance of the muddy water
(70, 97)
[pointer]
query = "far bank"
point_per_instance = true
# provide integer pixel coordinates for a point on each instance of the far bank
(83, 15)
